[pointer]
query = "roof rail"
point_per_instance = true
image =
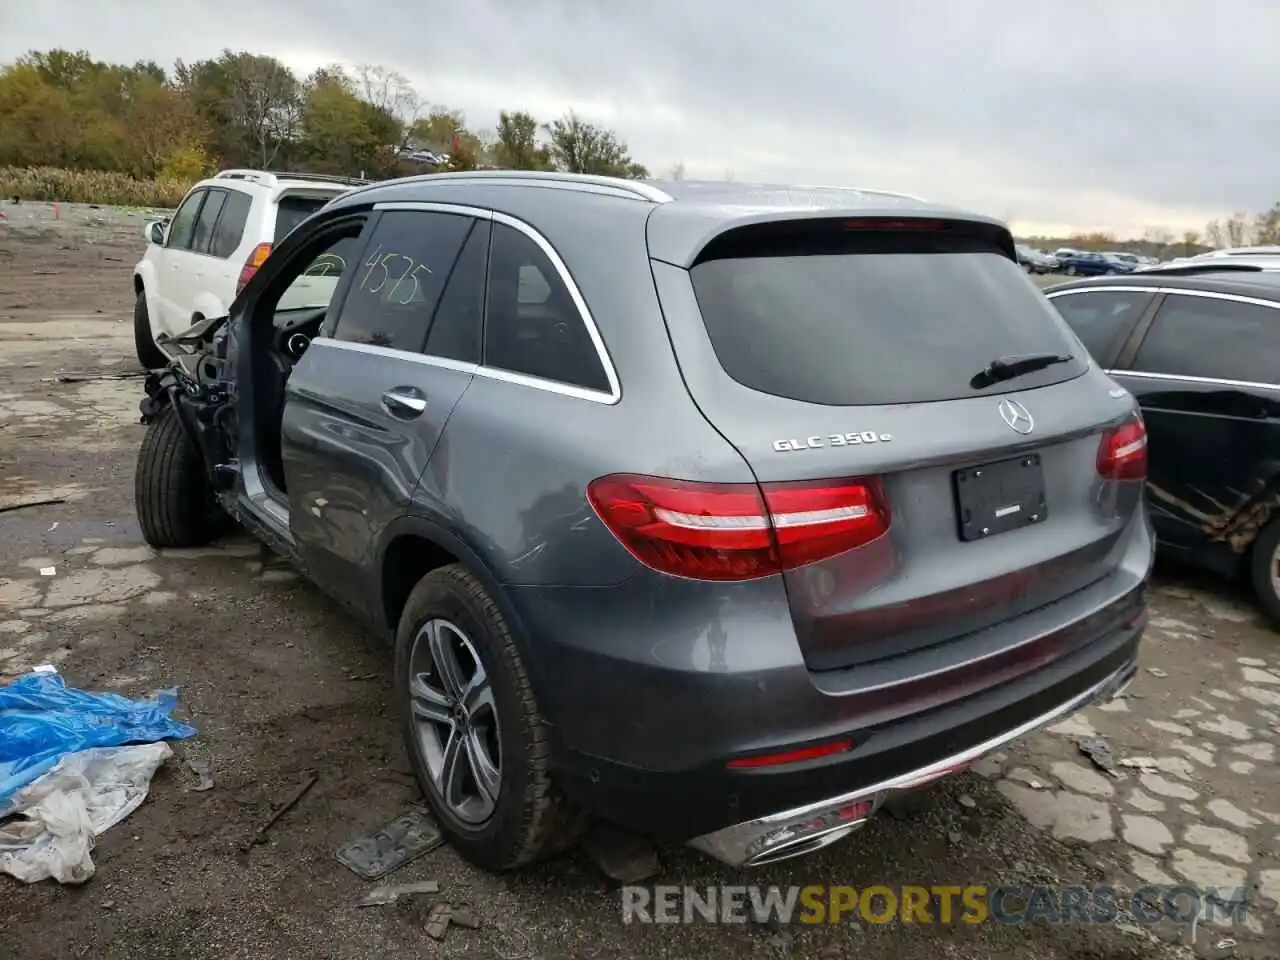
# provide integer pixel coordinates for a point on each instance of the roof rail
(272, 177)
(1210, 266)
(256, 176)
(636, 188)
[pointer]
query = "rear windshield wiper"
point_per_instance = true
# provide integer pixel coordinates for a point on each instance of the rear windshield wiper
(1007, 368)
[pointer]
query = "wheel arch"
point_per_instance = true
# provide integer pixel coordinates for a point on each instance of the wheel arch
(414, 545)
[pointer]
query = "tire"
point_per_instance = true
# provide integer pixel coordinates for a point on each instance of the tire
(171, 491)
(529, 819)
(144, 342)
(1263, 560)
(1071, 271)
(1111, 273)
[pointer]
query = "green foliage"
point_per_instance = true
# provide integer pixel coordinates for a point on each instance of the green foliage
(148, 131)
(581, 147)
(184, 164)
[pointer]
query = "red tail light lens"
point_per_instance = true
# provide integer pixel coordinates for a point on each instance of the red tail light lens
(799, 755)
(256, 259)
(1122, 453)
(738, 531)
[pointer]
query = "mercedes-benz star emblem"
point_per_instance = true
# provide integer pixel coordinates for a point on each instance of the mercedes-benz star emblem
(1016, 416)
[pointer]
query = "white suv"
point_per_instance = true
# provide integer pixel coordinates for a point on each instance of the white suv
(196, 263)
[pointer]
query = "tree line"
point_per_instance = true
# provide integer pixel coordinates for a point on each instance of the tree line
(64, 109)
(67, 113)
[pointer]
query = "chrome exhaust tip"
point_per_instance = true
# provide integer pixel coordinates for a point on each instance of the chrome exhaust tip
(804, 845)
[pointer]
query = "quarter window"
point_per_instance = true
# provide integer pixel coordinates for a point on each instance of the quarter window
(1208, 337)
(532, 324)
(1102, 320)
(398, 284)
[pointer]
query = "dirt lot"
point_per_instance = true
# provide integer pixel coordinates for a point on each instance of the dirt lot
(279, 684)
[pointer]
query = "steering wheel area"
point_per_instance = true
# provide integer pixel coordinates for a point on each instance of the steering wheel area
(294, 333)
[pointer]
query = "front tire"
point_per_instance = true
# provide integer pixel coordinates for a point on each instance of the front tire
(1071, 271)
(1264, 571)
(144, 342)
(473, 731)
(171, 492)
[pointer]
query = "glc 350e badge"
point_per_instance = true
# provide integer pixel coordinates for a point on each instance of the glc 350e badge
(831, 440)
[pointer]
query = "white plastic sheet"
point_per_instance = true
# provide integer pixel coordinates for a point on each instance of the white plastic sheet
(63, 811)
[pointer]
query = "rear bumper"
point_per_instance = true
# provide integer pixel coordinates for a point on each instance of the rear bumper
(804, 829)
(753, 816)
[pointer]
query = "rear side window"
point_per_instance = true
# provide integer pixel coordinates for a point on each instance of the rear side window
(1102, 320)
(459, 321)
(851, 317)
(184, 222)
(1217, 339)
(230, 229)
(406, 262)
(208, 217)
(291, 211)
(532, 325)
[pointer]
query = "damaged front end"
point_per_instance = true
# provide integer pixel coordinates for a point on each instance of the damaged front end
(200, 387)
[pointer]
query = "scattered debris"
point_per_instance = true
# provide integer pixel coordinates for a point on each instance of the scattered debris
(1145, 764)
(967, 801)
(388, 848)
(24, 504)
(48, 571)
(64, 810)
(43, 720)
(1157, 673)
(362, 676)
(203, 771)
(53, 527)
(87, 377)
(260, 835)
(381, 896)
(445, 915)
(1099, 751)
(955, 836)
(621, 855)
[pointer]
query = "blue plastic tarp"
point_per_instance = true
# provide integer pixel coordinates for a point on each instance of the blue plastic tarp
(42, 719)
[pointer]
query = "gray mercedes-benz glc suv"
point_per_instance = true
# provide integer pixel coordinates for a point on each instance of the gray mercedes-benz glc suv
(717, 511)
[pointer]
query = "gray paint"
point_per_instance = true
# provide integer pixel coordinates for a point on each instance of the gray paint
(628, 662)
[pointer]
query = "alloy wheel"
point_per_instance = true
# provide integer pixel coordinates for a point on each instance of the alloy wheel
(456, 721)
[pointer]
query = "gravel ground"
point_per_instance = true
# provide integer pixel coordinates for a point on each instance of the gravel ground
(278, 684)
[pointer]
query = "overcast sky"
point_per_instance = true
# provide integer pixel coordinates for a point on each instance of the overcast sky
(1086, 114)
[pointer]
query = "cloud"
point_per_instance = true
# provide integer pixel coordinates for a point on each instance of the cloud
(1093, 115)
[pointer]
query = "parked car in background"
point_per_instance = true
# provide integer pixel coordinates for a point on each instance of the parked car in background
(1035, 261)
(196, 263)
(1198, 349)
(1266, 250)
(818, 499)
(1092, 265)
(1239, 263)
(1130, 260)
(1062, 253)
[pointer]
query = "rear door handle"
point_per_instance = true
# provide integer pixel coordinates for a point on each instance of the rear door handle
(404, 402)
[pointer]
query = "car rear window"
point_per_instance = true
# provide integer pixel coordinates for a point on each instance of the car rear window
(291, 211)
(841, 316)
